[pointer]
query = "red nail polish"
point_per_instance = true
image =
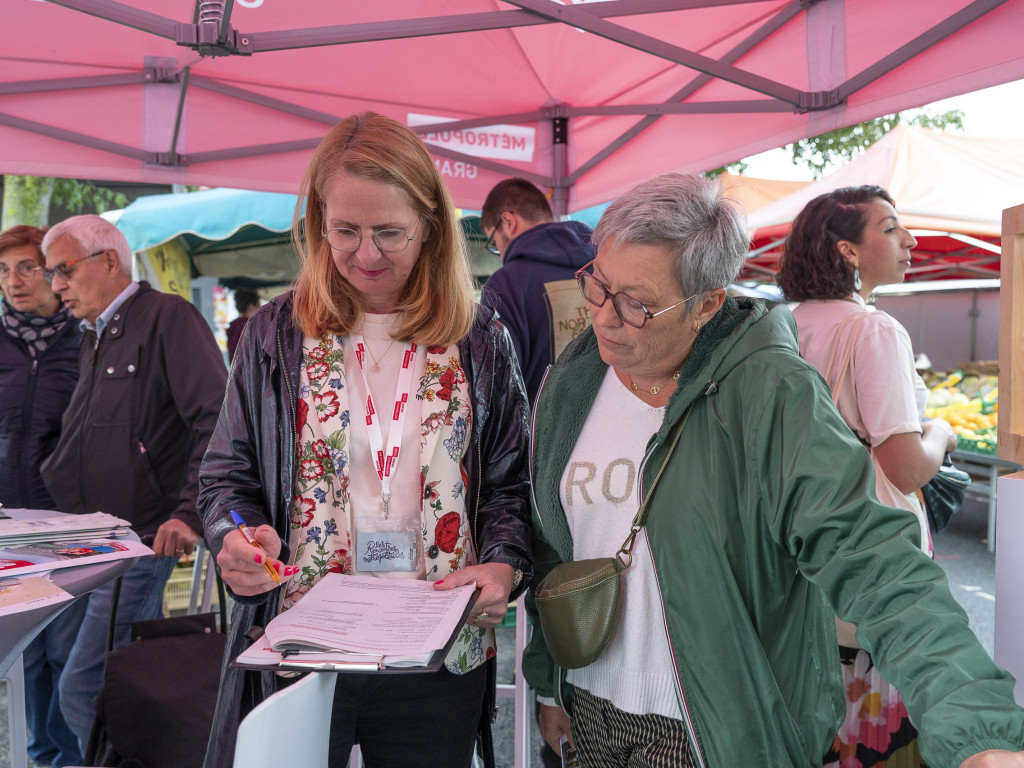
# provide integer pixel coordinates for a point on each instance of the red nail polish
(258, 559)
(439, 582)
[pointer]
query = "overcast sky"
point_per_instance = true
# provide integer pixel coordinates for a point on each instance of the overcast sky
(996, 112)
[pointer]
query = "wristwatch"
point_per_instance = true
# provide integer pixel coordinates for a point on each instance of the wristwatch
(517, 579)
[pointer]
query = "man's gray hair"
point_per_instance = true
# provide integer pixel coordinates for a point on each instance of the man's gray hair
(687, 214)
(92, 233)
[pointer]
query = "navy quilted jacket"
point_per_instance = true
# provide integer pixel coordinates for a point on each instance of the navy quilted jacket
(33, 395)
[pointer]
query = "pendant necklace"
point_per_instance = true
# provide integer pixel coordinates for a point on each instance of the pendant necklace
(653, 390)
(376, 360)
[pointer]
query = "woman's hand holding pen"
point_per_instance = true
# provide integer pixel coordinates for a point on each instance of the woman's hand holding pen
(242, 564)
(494, 580)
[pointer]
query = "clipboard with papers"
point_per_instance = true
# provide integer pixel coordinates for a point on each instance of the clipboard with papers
(364, 624)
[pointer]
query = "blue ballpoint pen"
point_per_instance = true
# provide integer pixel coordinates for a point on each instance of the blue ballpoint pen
(237, 518)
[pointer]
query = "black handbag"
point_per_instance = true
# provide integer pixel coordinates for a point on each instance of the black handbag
(155, 708)
(944, 494)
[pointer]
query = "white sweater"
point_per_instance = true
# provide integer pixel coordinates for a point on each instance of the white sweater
(599, 492)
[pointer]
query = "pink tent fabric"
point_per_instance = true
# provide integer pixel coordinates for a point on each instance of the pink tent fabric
(583, 98)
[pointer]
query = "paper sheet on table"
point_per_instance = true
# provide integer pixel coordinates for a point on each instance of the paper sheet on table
(388, 617)
(19, 594)
(46, 556)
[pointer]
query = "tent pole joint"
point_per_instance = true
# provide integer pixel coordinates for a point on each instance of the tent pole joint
(198, 38)
(816, 101)
(169, 159)
(161, 75)
(214, 35)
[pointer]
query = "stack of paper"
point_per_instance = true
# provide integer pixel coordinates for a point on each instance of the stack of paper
(59, 527)
(353, 621)
(49, 555)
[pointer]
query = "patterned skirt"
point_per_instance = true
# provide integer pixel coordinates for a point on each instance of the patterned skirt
(877, 730)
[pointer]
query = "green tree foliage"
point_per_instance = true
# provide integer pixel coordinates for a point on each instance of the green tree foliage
(77, 195)
(738, 167)
(27, 199)
(819, 153)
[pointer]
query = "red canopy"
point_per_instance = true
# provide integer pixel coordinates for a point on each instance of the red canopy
(585, 98)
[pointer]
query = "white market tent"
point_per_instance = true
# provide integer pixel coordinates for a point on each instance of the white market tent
(950, 191)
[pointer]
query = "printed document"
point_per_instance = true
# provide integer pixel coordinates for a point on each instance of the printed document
(395, 621)
(46, 556)
(27, 594)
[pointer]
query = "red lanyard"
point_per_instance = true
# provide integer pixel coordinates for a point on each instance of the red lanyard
(385, 460)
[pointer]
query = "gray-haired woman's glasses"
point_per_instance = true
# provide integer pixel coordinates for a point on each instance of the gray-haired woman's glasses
(630, 311)
(26, 270)
(386, 240)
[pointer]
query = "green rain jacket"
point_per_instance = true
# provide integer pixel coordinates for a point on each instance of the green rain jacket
(764, 525)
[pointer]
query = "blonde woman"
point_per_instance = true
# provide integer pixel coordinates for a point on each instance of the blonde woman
(383, 310)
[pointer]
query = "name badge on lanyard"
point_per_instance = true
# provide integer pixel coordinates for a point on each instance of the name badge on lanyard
(391, 543)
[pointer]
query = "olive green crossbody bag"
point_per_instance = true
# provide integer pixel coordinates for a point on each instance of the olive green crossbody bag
(579, 601)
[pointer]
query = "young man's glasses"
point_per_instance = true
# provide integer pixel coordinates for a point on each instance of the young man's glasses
(65, 271)
(490, 246)
(630, 311)
(26, 270)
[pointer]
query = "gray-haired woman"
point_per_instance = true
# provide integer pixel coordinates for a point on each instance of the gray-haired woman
(762, 526)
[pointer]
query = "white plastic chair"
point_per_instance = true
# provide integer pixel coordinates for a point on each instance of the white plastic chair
(289, 728)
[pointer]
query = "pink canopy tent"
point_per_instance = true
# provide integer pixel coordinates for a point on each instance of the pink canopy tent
(950, 191)
(583, 98)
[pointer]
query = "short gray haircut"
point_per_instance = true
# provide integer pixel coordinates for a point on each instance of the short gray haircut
(92, 233)
(687, 214)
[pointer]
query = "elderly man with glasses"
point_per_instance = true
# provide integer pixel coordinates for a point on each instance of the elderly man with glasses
(533, 291)
(151, 381)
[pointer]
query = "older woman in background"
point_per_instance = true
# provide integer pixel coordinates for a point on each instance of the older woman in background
(383, 311)
(844, 244)
(38, 371)
(762, 526)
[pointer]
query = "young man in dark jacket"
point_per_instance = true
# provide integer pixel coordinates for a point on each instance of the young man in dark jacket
(534, 291)
(149, 391)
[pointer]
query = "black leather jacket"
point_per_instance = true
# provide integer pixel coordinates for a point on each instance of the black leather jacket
(249, 467)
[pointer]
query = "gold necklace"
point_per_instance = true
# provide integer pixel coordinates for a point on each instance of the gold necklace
(376, 360)
(654, 390)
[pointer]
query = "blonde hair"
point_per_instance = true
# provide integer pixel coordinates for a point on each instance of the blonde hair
(437, 305)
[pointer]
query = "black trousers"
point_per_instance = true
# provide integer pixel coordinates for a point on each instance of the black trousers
(412, 720)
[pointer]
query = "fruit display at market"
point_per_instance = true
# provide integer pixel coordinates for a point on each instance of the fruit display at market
(969, 401)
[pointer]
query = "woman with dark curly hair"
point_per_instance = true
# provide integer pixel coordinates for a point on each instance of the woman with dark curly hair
(845, 244)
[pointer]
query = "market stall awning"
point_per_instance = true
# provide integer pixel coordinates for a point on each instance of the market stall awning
(950, 191)
(240, 236)
(584, 98)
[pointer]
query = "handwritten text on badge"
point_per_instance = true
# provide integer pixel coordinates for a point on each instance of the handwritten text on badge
(386, 551)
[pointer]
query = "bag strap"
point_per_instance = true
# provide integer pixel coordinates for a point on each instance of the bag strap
(625, 553)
